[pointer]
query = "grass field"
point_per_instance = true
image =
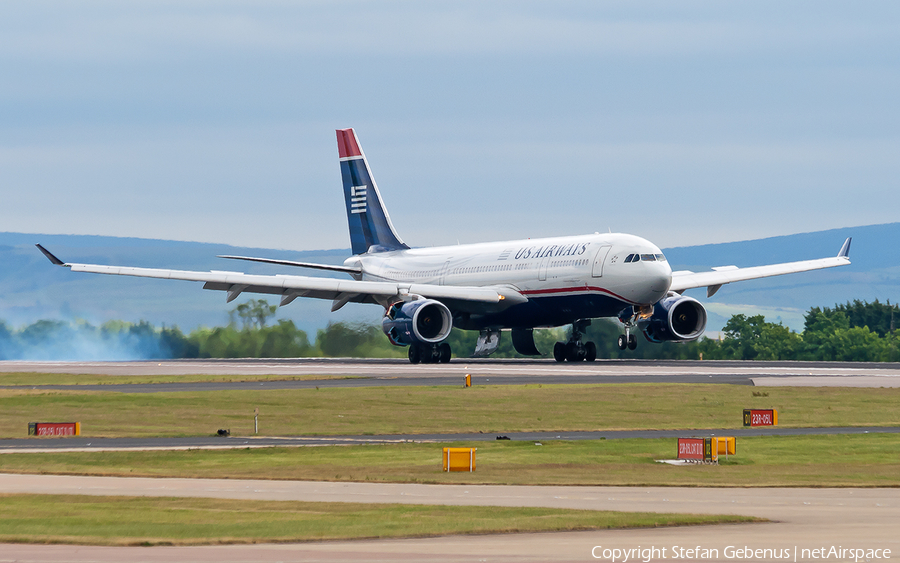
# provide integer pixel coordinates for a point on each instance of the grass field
(181, 521)
(867, 460)
(393, 410)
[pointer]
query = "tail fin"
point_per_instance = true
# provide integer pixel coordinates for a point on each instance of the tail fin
(370, 225)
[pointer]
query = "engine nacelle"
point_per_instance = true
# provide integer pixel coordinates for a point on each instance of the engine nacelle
(424, 321)
(675, 319)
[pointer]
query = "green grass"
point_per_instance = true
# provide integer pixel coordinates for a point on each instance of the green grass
(191, 521)
(868, 460)
(393, 410)
(861, 460)
(29, 378)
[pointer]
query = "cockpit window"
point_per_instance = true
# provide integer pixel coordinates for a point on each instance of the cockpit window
(648, 257)
(661, 257)
(632, 258)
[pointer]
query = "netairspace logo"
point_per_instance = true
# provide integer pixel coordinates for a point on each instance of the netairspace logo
(744, 553)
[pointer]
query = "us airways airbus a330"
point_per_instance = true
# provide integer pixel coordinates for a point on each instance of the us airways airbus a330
(489, 287)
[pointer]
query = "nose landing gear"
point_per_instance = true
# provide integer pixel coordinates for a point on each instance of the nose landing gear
(629, 317)
(627, 340)
(575, 350)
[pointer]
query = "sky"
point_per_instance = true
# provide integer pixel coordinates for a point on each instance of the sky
(685, 123)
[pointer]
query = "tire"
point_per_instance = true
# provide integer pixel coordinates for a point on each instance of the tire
(414, 355)
(445, 353)
(559, 352)
(632, 342)
(590, 351)
(622, 342)
(572, 354)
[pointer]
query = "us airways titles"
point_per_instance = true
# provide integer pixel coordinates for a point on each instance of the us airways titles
(575, 249)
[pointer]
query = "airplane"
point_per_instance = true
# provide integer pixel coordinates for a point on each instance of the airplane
(490, 287)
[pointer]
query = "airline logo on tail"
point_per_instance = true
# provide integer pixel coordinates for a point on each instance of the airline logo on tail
(357, 199)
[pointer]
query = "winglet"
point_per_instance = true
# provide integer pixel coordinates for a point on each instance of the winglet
(845, 250)
(50, 256)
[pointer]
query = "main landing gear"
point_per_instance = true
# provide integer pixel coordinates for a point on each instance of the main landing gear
(429, 353)
(575, 350)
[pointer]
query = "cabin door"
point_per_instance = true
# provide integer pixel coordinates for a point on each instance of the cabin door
(599, 259)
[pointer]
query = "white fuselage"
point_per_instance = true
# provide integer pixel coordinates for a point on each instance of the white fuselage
(586, 272)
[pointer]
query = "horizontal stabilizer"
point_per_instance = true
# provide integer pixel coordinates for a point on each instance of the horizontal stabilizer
(328, 267)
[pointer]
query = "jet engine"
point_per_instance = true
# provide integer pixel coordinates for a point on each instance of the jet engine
(424, 321)
(676, 319)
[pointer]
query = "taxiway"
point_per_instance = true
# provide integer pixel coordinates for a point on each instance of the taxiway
(800, 519)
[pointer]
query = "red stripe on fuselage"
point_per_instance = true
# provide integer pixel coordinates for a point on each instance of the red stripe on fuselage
(582, 289)
(347, 146)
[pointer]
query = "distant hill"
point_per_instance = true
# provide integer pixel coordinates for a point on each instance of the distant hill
(31, 288)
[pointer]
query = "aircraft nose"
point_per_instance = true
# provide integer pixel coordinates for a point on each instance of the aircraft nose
(659, 280)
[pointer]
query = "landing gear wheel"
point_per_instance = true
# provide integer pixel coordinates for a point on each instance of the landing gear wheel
(414, 355)
(632, 342)
(559, 352)
(575, 350)
(622, 342)
(574, 353)
(445, 352)
(590, 351)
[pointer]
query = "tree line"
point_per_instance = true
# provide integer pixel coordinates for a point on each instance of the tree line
(857, 331)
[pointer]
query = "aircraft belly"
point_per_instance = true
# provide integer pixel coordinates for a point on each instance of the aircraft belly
(545, 311)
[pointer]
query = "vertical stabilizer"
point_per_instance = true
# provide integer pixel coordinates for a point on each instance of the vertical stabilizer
(370, 224)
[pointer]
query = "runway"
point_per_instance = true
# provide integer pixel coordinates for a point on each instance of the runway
(801, 519)
(394, 372)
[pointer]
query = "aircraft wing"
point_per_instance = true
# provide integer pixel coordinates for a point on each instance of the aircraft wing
(290, 287)
(720, 276)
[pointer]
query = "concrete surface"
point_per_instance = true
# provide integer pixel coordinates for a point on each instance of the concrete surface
(802, 519)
